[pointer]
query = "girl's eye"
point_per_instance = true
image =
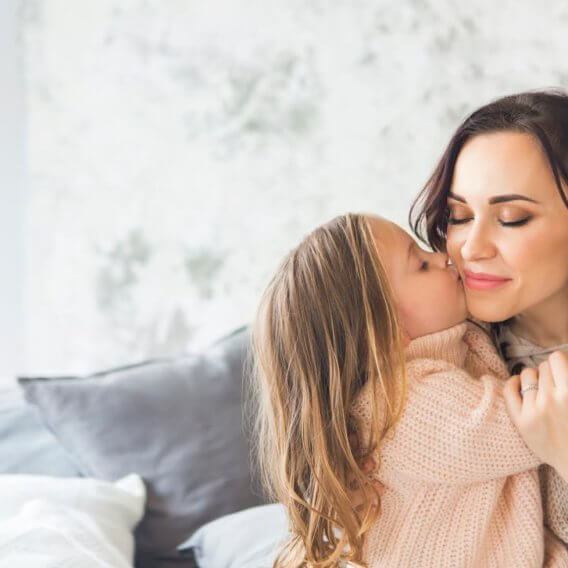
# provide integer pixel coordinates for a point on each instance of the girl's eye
(424, 265)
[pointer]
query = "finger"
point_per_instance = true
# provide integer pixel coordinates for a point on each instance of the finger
(379, 488)
(361, 508)
(513, 398)
(545, 382)
(367, 465)
(529, 386)
(354, 441)
(558, 362)
(355, 496)
(352, 485)
(359, 501)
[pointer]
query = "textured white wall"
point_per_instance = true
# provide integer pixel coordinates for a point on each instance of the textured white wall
(178, 149)
(12, 191)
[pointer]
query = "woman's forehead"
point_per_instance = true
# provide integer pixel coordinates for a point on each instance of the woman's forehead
(502, 163)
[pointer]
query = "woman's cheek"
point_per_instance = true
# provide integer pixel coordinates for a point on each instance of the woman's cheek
(453, 248)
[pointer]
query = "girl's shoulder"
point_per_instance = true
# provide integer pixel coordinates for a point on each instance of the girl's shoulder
(483, 356)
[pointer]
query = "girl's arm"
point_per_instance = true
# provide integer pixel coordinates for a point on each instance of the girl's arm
(455, 429)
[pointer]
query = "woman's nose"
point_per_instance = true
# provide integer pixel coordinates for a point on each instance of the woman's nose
(476, 245)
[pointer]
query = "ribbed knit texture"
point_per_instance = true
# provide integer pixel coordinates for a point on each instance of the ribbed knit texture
(461, 488)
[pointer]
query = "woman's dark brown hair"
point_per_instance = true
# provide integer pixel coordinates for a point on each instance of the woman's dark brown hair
(541, 114)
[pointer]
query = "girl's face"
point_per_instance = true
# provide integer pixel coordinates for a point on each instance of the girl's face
(508, 227)
(428, 293)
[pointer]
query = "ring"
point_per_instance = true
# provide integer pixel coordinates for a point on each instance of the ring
(533, 387)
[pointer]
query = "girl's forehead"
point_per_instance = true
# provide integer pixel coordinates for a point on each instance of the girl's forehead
(382, 229)
(389, 237)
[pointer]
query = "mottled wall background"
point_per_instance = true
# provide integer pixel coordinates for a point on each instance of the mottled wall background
(177, 149)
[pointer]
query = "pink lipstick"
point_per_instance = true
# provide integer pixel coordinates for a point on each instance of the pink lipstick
(483, 281)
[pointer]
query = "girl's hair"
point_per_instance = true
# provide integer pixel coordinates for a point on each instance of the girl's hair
(541, 114)
(325, 326)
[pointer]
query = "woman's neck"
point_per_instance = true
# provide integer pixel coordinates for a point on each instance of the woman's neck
(545, 325)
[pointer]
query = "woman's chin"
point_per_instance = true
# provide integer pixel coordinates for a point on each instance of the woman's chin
(488, 314)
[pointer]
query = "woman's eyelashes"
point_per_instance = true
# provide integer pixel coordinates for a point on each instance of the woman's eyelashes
(516, 223)
(456, 219)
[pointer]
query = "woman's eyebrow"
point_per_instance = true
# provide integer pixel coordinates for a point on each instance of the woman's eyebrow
(497, 198)
(511, 197)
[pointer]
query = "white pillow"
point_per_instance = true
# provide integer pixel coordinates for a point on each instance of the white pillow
(49, 522)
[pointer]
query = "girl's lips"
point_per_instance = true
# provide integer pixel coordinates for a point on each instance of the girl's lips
(483, 281)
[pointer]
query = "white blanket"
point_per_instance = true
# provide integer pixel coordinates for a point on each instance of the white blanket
(48, 522)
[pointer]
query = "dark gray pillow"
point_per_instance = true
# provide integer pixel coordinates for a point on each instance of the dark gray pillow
(177, 423)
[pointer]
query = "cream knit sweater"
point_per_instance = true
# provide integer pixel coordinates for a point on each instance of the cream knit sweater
(461, 487)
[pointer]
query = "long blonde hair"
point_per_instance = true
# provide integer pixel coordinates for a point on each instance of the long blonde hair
(326, 325)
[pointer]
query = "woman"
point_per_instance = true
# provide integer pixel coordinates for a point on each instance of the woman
(497, 202)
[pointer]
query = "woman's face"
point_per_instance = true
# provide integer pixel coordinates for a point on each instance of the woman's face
(508, 227)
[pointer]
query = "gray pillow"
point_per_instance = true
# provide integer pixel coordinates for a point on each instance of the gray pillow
(26, 445)
(245, 539)
(177, 423)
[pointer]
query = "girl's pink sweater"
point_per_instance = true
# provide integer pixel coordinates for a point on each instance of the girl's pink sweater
(461, 487)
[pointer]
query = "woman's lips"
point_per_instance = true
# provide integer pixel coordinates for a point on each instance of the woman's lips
(483, 281)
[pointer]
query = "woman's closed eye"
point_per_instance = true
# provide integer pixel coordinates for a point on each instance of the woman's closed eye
(458, 216)
(456, 221)
(455, 218)
(515, 223)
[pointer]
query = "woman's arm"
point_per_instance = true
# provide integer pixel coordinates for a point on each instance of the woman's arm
(541, 412)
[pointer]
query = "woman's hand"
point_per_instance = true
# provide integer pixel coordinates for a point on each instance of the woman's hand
(537, 401)
(367, 465)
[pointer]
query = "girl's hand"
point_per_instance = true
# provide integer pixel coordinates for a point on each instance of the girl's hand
(537, 401)
(353, 490)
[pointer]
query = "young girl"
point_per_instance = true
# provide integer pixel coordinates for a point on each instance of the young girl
(360, 328)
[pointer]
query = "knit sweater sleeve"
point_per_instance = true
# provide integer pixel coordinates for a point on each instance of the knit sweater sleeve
(555, 502)
(454, 429)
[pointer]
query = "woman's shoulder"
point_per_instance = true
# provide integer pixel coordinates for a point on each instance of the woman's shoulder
(518, 351)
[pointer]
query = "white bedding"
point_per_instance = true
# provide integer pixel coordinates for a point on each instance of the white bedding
(48, 522)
